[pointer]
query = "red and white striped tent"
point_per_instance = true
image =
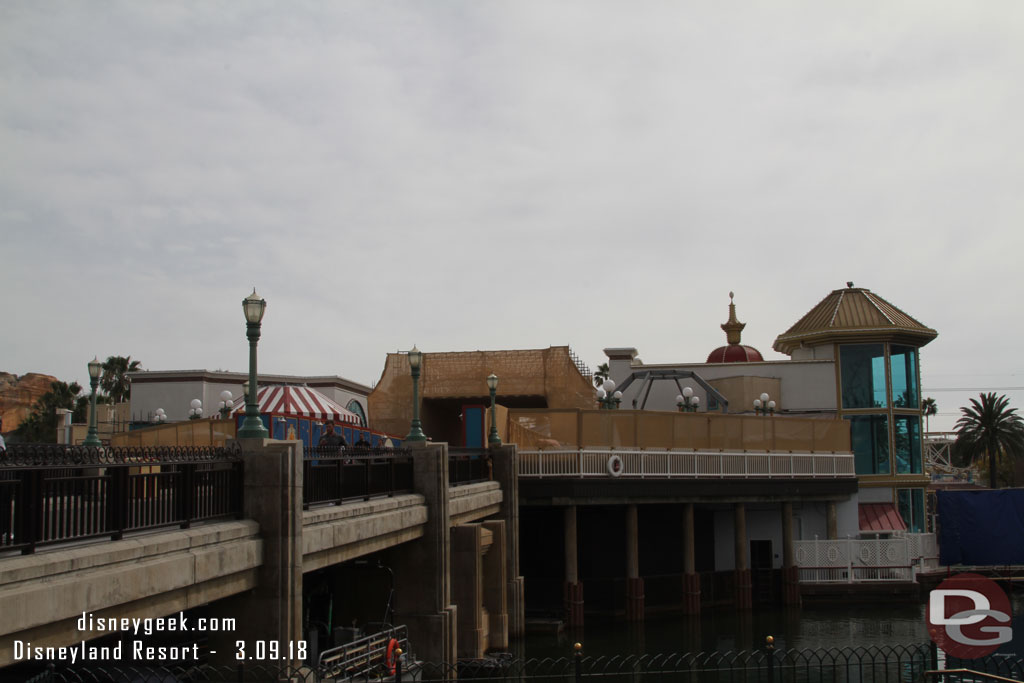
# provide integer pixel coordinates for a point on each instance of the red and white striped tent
(298, 402)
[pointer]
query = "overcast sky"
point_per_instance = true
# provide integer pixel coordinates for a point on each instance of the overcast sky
(487, 175)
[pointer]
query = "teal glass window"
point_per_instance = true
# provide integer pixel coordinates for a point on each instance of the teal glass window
(862, 374)
(906, 443)
(869, 436)
(911, 507)
(903, 370)
(354, 407)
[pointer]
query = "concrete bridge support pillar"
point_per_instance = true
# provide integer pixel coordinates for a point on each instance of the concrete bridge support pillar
(495, 584)
(573, 585)
(505, 463)
(468, 543)
(273, 498)
(634, 584)
(691, 579)
(423, 569)
(790, 573)
(742, 573)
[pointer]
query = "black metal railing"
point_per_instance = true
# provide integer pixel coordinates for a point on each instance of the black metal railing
(889, 664)
(333, 475)
(468, 466)
(54, 494)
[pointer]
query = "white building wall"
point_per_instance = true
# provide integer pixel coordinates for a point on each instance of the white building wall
(808, 385)
(174, 391)
(174, 397)
(764, 523)
(811, 519)
(848, 518)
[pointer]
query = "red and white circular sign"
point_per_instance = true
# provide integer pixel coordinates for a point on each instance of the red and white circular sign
(968, 616)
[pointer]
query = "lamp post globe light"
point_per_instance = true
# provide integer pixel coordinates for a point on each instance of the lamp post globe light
(607, 397)
(92, 438)
(492, 385)
(415, 430)
(763, 405)
(687, 402)
(159, 416)
(226, 399)
(252, 428)
(195, 410)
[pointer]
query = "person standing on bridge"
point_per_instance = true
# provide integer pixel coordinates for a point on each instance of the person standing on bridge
(330, 440)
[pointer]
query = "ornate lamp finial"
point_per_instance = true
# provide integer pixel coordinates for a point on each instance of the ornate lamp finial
(733, 327)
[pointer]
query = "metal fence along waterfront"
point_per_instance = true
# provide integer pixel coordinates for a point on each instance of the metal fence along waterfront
(468, 465)
(333, 475)
(909, 664)
(54, 493)
(685, 464)
(853, 560)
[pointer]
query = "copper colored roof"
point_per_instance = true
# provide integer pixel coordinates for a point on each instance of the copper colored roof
(735, 353)
(850, 315)
(880, 517)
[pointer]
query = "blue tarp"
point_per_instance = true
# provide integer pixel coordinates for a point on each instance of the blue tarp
(981, 527)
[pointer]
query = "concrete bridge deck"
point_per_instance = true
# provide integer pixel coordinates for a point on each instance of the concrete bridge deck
(152, 574)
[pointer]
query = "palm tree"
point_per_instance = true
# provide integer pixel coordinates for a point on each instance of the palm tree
(114, 380)
(41, 424)
(991, 427)
(929, 407)
(601, 375)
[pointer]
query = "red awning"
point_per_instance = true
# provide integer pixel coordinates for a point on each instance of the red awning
(880, 517)
(298, 401)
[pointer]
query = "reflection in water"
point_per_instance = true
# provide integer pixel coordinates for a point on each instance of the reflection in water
(834, 626)
(811, 627)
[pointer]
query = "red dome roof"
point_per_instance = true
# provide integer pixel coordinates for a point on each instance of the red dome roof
(734, 353)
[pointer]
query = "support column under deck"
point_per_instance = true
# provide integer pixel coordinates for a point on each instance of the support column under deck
(742, 573)
(634, 584)
(691, 579)
(573, 586)
(790, 573)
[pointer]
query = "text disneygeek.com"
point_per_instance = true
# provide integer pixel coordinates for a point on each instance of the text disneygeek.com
(134, 650)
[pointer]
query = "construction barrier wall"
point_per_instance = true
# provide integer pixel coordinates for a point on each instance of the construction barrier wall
(540, 428)
(203, 432)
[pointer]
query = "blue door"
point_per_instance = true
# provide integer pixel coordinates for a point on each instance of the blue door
(473, 426)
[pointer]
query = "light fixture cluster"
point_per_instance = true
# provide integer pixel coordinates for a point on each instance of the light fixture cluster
(763, 405)
(687, 402)
(607, 397)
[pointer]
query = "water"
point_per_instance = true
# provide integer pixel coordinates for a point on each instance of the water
(810, 627)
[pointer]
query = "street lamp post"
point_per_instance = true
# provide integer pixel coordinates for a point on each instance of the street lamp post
(687, 402)
(159, 416)
(92, 438)
(764, 406)
(607, 397)
(226, 399)
(415, 431)
(195, 410)
(253, 307)
(492, 384)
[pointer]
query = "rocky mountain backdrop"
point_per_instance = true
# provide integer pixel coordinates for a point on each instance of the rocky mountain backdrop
(19, 394)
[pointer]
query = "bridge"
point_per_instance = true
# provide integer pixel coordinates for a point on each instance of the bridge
(144, 533)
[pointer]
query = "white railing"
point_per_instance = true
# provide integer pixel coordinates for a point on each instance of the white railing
(661, 464)
(855, 560)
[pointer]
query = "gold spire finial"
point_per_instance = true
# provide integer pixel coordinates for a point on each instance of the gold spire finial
(733, 327)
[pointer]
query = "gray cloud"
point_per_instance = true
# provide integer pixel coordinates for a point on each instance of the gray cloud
(495, 175)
